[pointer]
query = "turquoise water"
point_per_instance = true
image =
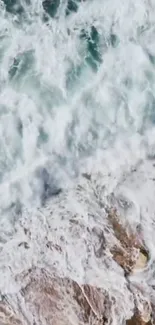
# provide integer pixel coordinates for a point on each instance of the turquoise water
(75, 78)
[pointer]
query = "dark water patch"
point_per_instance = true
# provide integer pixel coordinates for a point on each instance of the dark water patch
(93, 47)
(91, 56)
(72, 6)
(13, 6)
(21, 64)
(92, 39)
(151, 156)
(20, 127)
(151, 58)
(48, 185)
(43, 136)
(14, 68)
(113, 40)
(51, 7)
(87, 176)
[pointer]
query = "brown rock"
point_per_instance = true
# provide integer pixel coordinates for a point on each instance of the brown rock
(62, 301)
(52, 300)
(129, 253)
(7, 315)
(137, 320)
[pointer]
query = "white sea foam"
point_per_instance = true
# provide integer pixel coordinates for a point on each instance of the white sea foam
(59, 114)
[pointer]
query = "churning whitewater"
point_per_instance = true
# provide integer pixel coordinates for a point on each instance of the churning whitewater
(77, 139)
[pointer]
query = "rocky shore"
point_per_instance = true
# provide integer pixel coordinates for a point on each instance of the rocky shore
(66, 269)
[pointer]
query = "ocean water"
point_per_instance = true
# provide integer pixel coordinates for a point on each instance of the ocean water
(77, 96)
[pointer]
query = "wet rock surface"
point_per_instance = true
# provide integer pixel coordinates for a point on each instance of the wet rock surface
(55, 301)
(48, 299)
(137, 320)
(130, 252)
(105, 248)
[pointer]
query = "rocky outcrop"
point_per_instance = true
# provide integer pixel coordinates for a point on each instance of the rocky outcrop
(8, 315)
(129, 253)
(46, 300)
(47, 296)
(137, 320)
